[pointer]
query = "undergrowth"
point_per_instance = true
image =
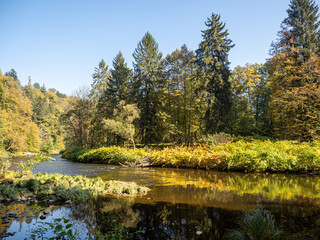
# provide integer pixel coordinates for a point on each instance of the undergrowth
(244, 155)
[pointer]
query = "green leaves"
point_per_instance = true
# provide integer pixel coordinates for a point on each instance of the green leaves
(60, 227)
(27, 166)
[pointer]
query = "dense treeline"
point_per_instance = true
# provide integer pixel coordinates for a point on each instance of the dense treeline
(181, 97)
(30, 116)
(186, 95)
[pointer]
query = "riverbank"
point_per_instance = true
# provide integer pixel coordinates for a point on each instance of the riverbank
(240, 156)
(5, 154)
(58, 188)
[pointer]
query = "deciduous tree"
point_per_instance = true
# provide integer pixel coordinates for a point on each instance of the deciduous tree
(180, 108)
(121, 124)
(295, 95)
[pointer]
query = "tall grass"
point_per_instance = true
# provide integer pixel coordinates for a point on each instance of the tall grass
(256, 225)
(242, 155)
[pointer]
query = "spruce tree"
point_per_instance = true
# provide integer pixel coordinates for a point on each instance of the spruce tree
(300, 26)
(118, 85)
(100, 80)
(147, 85)
(212, 57)
(13, 73)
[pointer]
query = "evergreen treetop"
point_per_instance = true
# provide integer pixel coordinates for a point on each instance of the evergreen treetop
(301, 27)
(147, 85)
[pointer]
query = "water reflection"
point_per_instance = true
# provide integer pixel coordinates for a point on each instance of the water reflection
(271, 187)
(162, 220)
(187, 204)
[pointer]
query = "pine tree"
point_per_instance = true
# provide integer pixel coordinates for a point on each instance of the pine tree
(302, 27)
(212, 57)
(147, 85)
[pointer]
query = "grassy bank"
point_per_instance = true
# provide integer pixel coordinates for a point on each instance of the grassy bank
(60, 188)
(6, 154)
(241, 155)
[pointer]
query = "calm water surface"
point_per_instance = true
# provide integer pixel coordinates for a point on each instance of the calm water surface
(182, 203)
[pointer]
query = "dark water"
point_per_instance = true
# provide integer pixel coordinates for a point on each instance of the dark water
(182, 203)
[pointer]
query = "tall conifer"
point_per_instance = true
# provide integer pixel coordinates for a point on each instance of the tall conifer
(100, 80)
(118, 86)
(147, 82)
(301, 27)
(212, 57)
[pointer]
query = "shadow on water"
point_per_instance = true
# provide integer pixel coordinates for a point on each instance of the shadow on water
(182, 204)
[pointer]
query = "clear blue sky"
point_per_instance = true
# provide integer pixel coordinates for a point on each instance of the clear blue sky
(60, 42)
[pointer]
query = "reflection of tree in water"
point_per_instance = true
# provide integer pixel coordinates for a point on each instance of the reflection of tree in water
(271, 186)
(185, 221)
(163, 220)
(297, 219)
(24, 213)
(83, 216)
(182, 221)
(119, 210)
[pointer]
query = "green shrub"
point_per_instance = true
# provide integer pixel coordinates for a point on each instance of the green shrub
(10, 191)
(279, 156)
(110, 155)
(73, 153)
(32, 185)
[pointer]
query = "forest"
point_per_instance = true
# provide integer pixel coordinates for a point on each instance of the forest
(180, 146)
(183, 98)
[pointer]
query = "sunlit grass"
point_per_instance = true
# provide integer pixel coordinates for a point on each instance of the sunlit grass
(242, 155)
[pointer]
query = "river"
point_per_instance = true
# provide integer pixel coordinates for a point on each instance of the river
(182, 203)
